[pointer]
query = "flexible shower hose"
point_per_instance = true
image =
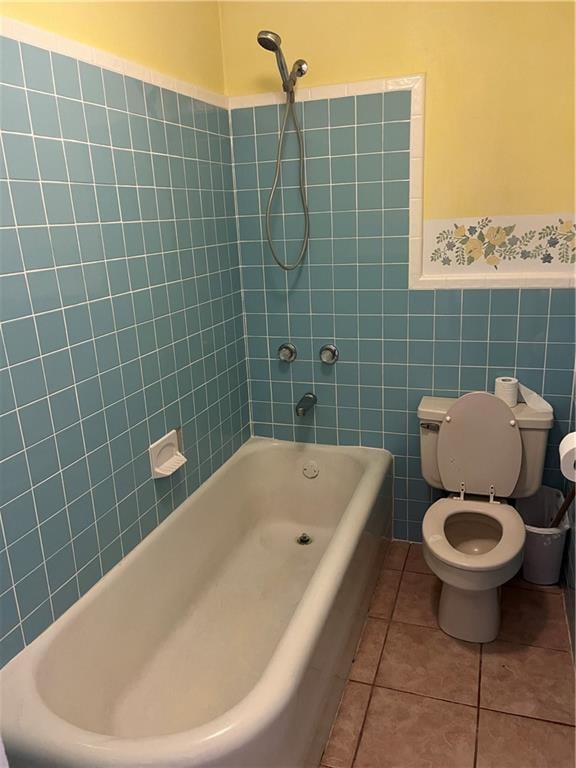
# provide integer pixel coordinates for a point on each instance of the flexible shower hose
(288, 267)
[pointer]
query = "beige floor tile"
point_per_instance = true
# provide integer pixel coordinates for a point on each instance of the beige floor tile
(339, 752)
(369, 649)
(507, 741)
(385, 594)
(415, 562)
(395, 555)
(525, 680)
(417, 601)
(407, 731)
(534, 617)
(426, 661)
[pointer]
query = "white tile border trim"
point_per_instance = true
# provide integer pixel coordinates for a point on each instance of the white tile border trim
(26, 33)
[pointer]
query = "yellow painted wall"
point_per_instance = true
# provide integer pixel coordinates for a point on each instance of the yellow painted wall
(500, 76)
(179, 39)
(500, 87)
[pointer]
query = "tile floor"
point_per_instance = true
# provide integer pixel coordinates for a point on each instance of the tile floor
(417, 698)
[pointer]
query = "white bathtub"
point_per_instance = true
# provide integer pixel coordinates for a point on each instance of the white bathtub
(219, 641)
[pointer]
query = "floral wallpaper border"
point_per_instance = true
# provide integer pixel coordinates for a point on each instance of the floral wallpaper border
(536, 250)
(496, 245)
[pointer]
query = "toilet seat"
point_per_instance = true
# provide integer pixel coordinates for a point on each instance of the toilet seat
(479, 446)
(510, 544)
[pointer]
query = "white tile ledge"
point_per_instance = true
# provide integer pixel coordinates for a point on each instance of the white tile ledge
(26, 33)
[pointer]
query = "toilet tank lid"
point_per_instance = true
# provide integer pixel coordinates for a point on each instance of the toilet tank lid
(435, 408)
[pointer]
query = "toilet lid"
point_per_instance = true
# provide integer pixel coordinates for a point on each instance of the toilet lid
(479, 444)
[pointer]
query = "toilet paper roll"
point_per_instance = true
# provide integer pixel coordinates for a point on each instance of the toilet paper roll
(568, 457)
(506, 388)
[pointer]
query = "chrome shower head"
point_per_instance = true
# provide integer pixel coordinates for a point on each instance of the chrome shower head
(269, 40)
(272, 42)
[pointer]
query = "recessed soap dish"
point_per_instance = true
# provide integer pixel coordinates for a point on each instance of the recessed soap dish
(165, 455)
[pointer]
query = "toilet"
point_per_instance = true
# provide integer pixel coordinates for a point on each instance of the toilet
(482, 452)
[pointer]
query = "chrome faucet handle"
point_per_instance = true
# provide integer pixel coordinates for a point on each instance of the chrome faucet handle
(329, 354)
(287, 353)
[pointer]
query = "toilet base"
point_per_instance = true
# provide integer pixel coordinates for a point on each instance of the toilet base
(469, 615)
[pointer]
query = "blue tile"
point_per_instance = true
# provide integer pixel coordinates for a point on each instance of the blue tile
(14, 478)
(37, 68)
(91, 83)
(21, 340)
(44, 290)
(396, 137)
(28, 205)
(51, 331)
(114, 89)
(14, 112)
(60, 567)
(14, 300)
(51, 160)
(11, 435)
(135, 96)
(397, 105)
(36, 247)
(58, 203)
(84, 202)
(25, 555)
(10, 63)
(71, 283)
(78, 160)
(44, 115)
(58, 370)
(72, 119)
(10, 252)
(28, 380)
(7, 402)
(36, 422)
(20, 158)
(6, 212)
(8, 612)
(66, 78)
(97, 124)
(37, 622)
(32, 591)
(342, 111)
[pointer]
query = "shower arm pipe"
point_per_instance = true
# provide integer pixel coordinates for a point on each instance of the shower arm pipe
(289, 109)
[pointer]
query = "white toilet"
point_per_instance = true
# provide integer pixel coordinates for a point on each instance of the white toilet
(483, 451)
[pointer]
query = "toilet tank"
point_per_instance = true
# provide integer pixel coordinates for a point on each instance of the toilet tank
(534, 427)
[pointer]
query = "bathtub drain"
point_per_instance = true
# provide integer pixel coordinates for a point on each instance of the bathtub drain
(304, 538)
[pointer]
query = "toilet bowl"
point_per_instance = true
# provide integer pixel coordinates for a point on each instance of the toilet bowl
(473, 547)
(473, 541)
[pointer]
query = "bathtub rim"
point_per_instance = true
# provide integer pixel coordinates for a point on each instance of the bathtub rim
(56, 737)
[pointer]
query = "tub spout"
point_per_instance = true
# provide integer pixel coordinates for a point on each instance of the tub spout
(306, 403)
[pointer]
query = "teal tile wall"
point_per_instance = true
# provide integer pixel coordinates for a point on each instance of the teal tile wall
(396, 345)
(121, 318)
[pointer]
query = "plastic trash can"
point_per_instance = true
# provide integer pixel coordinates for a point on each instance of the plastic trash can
(544, 546)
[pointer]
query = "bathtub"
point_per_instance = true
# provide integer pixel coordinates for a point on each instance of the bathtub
(219, 641)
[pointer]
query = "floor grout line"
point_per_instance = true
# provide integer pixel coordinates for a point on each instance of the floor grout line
(476, 735)
(528, 717)
(425, 696)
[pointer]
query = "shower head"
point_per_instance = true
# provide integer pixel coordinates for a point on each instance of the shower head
(270, 41)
